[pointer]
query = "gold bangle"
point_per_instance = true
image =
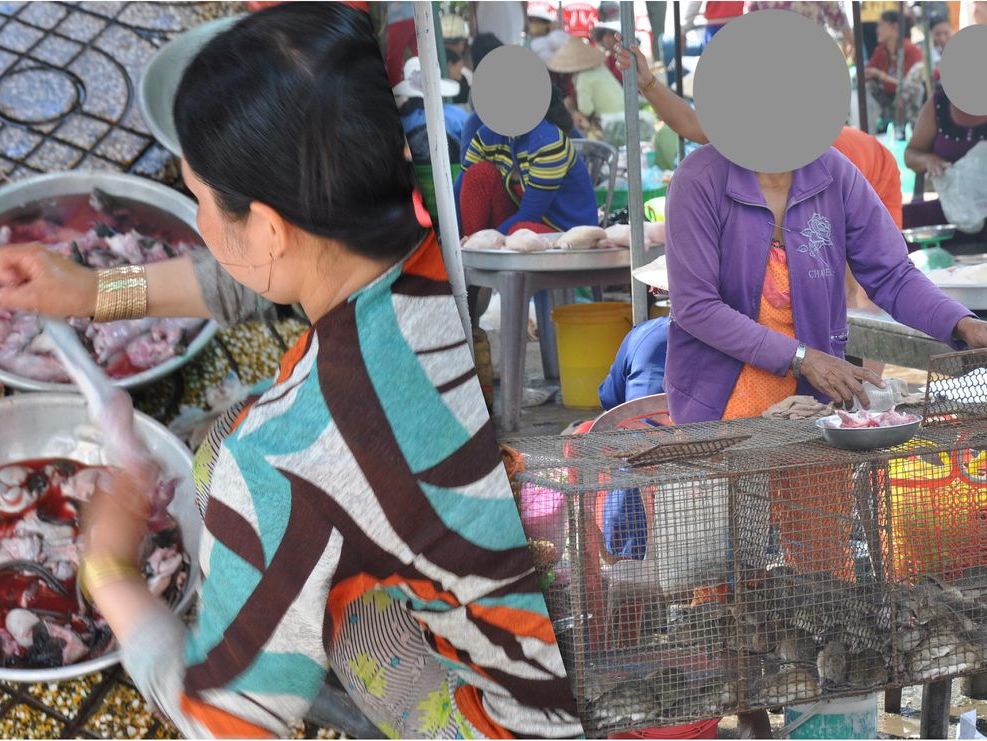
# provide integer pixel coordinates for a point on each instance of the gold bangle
(651, 84)
(121, 293)
(96, 572)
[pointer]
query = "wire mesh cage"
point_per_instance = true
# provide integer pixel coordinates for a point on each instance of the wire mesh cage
(957, 387)
(704, 570)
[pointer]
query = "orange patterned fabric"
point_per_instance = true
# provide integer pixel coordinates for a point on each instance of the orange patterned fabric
(757, 389)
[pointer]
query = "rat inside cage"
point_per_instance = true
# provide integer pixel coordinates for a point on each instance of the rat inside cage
(704, 570)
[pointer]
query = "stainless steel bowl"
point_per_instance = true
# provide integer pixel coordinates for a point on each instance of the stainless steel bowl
(927, 234)
(978, 259)
(163, 74)
(45, 187)
(57, 425)
(867, 438)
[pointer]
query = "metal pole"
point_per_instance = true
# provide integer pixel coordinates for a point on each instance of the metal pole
(899, 101)
(440, 47)
(441, 169)
(679, 90)
(927, 43)
(635, 192)
(858, 54)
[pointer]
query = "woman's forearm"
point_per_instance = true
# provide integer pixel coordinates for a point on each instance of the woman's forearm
(916, 160)
(173, 289)
(676, 113)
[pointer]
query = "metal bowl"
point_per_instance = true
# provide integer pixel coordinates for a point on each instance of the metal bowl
(867, 438)
(978, 259)
(927, 234)
(57, 425)
(46, 187)
(163, 74)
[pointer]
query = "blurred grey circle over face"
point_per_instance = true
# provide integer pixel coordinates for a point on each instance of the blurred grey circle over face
(511, 90)
(962, 67)
(772, 91)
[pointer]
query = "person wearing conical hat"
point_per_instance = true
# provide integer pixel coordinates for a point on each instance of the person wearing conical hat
(597, 92)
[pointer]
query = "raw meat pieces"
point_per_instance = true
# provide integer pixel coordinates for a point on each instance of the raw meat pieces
(863, 419)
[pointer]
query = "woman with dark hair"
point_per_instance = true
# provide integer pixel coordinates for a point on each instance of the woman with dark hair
(882, 68)
(534, 181)
(357, 514)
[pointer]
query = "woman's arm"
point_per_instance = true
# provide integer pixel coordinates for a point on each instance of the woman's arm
(550, 164)
(671, 109)
(918, 155)
(693, 261)
(878, 258)
(33, 278)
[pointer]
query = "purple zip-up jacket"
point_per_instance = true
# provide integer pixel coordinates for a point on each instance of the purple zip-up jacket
(718, 232)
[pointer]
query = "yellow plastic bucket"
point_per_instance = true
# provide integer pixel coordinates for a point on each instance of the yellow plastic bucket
(588, 337)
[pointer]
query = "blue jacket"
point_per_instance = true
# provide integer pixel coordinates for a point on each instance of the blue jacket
(557, 189)
(455, 118)
(639, 368)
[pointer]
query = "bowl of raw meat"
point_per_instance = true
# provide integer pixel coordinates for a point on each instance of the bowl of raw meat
(51, 458)
(99, 220)
(864, 430)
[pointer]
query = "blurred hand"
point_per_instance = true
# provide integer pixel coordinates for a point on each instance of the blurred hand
(839, 380)
(33, 278)
(935, 165)
(115, 519)
(973, 332)
(871, 74)
(624, 55)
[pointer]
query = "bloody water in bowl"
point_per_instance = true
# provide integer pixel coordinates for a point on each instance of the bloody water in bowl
(76, 213)
(22, 588)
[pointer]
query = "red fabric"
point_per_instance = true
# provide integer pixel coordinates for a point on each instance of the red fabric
(614, 69)
(485, 204)
(883, 60)
(400, 38)
(722, 12)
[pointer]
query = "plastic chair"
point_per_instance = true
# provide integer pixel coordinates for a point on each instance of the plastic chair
(597, 156)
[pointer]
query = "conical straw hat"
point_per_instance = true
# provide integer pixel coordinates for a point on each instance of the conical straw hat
(575, 55)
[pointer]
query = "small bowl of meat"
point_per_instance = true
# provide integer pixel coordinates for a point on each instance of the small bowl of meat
(100, 220)
(51, 461)
(864, 430)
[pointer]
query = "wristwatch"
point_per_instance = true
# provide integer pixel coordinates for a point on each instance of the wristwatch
(797, 360)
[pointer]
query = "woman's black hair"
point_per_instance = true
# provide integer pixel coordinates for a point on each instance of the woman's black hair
(893, 16)
(557, 113)
(935, 20)
(292, 108)
(483, 44)
(452, 57)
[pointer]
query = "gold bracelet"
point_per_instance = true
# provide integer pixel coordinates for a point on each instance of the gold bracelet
(96, 572)
(121, 293)
(654, 81)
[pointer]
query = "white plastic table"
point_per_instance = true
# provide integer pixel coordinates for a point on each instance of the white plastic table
(517, 277)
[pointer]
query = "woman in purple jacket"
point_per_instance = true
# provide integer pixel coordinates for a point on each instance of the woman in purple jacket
(724, 223)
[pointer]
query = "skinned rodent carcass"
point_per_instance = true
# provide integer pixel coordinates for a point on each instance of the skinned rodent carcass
(582, 238)
(485, 239)
(618, 235)
(525, 240)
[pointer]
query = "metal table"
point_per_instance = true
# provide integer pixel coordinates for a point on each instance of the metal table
(517, 277)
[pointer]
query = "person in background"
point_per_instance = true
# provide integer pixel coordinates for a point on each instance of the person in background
(534, 181)
(458, 72)
(943, 134)
(870, 16)
(455, 34)
(717, 15)
(639, 368)
(410, 98)
(605, 37)
(829, 15)
(505, 19)
(482, 45)
(598, 94)
(942, 31)
(980, 12)
(882, 68)
(401, 42)
(539, 22)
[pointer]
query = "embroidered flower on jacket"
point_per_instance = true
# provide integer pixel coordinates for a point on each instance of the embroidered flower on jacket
(819, 232)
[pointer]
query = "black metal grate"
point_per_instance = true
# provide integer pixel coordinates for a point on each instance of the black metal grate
(68, 81)
(957, 387)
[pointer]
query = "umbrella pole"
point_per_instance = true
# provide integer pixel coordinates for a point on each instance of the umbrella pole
(635, 202)
(679, 51)
(858, 54)
(441, 167)
(899, 99)
(927, 44)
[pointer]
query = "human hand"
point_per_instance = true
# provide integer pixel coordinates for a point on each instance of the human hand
(114, 521)
(972, 331)
(33, 278)
(870, 73)
(935, 165)
(624, 55)
(839, 380)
